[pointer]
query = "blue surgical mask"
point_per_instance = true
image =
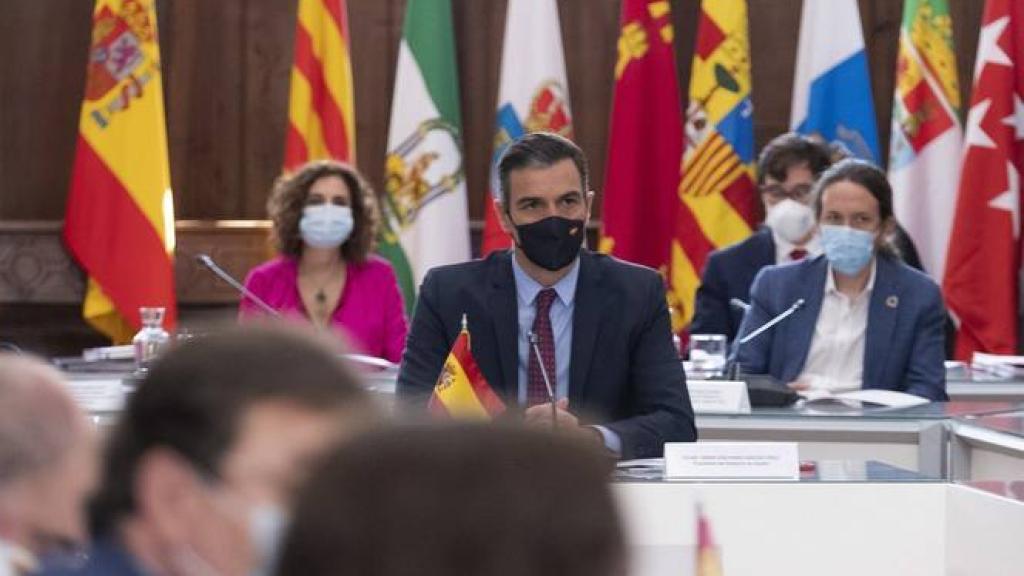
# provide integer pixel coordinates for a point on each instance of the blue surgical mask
(326, 225)
(848, 250)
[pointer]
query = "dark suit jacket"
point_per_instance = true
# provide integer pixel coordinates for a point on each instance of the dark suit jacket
(728, 274)
(625, 373)
(903, 346)
(106, 558)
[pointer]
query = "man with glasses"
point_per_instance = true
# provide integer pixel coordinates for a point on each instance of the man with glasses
(787, 169)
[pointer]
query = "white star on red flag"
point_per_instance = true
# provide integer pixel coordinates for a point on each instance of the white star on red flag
(1016, 120)
(976, 135)
(988, 46)
(1009, 199)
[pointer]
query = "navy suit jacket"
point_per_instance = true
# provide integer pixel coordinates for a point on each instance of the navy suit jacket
(903, 346)
(106, 558)
(625, 373)
(728, 274)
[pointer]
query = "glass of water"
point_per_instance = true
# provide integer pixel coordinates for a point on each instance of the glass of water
(708, 354)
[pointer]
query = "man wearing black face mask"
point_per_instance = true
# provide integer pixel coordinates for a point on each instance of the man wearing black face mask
(599, 327)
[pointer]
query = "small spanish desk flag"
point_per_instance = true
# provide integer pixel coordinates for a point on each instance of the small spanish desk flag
(461, 391)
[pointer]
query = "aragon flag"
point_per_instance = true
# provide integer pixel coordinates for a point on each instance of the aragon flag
(645, 143)
(717, 204)
(119, 221)
(321, 121)
(461, 391)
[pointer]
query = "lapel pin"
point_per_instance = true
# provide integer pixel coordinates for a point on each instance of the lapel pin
(892, 301)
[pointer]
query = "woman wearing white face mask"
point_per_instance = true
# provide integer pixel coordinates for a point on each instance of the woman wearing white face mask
(867, 320)
(325, 224)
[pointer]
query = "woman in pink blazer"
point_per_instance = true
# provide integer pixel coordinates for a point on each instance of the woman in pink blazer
(325, 223)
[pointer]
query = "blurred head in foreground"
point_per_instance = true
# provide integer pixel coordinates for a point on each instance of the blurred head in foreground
(459, 500)
(47, 462)
(201, 469)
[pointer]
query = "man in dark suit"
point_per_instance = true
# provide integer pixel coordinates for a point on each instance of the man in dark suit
(600, 325)
(787, 169)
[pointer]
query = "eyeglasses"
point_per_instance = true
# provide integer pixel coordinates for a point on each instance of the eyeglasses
(779, 192)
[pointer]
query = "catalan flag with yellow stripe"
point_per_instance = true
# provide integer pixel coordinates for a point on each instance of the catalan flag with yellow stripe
(321, 122)
(119, 222)
(461, 391)
(717, 201)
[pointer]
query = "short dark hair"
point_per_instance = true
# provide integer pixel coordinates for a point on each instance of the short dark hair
(467, 499)
(859, 172)
(540, 150)
(791, 150)
(288, 199)
(194, 397)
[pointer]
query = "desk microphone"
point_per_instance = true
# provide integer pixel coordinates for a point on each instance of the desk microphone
(208, 262)
(534, 340)
(734, 367)
(739, 304)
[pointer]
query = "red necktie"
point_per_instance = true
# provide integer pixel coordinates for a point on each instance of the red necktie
(797, 254)
(536, 391)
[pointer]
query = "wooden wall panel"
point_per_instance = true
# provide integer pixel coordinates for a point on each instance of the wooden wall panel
(226, 78)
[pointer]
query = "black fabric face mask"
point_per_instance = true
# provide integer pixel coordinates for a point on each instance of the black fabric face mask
(552, 243)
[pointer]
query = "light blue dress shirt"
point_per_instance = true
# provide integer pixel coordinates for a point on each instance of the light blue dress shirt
(561, 313)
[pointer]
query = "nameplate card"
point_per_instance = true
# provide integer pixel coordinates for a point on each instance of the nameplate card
(732, 461)
(719, 396)
(98, 395)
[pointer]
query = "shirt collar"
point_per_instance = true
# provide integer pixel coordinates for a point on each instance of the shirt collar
(527, 288)
(830, 279)
(783, 247)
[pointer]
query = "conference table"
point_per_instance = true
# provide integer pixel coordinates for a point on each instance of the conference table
(933, 489)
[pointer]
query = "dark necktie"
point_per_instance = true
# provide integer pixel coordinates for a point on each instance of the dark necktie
(536, 391)
(797, 254)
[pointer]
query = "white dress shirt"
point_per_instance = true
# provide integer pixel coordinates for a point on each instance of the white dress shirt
(835, 361)
(783, 248)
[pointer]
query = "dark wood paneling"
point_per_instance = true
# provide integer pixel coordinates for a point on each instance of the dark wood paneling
(226, 79)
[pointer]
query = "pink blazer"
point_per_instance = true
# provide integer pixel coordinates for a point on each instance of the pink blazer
(370, 314)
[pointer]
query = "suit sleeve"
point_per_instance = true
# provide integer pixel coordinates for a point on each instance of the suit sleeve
(753, 356)
(926, 373)
(658, 384)
(425, 348)
(711, 310)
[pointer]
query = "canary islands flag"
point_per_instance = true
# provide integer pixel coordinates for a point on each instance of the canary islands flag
(462, 391)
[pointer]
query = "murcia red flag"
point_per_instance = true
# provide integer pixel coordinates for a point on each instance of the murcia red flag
(645, 143)
(982, 267)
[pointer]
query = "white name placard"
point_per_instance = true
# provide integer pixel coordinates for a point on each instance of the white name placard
(719, 396)
(98, 395)
(732, 461)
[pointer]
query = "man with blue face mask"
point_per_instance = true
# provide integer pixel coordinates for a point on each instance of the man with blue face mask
(550, 312)
(868, 320)
(200, 471)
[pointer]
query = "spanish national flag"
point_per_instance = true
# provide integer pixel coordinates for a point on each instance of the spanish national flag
(321, 121)
(119, 223)
(461, 391)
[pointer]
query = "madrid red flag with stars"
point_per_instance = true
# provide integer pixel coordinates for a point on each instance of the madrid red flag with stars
(982, 268)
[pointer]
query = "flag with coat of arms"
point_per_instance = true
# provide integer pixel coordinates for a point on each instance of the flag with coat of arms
(461, 391)
(533, 94)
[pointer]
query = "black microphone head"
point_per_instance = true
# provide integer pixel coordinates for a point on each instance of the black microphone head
(204, 259)
(739, 304)
(799, 304)
(531, 337)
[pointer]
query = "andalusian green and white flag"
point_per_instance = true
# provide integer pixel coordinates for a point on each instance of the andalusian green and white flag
(424, 212)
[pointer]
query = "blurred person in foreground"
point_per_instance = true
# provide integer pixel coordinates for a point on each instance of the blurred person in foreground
(48, 462)
(458, 501)
(200, 471)
(325, 225)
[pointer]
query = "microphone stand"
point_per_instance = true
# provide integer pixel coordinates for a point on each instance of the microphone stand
(533, 338)
(208, 262)
(734, 369)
